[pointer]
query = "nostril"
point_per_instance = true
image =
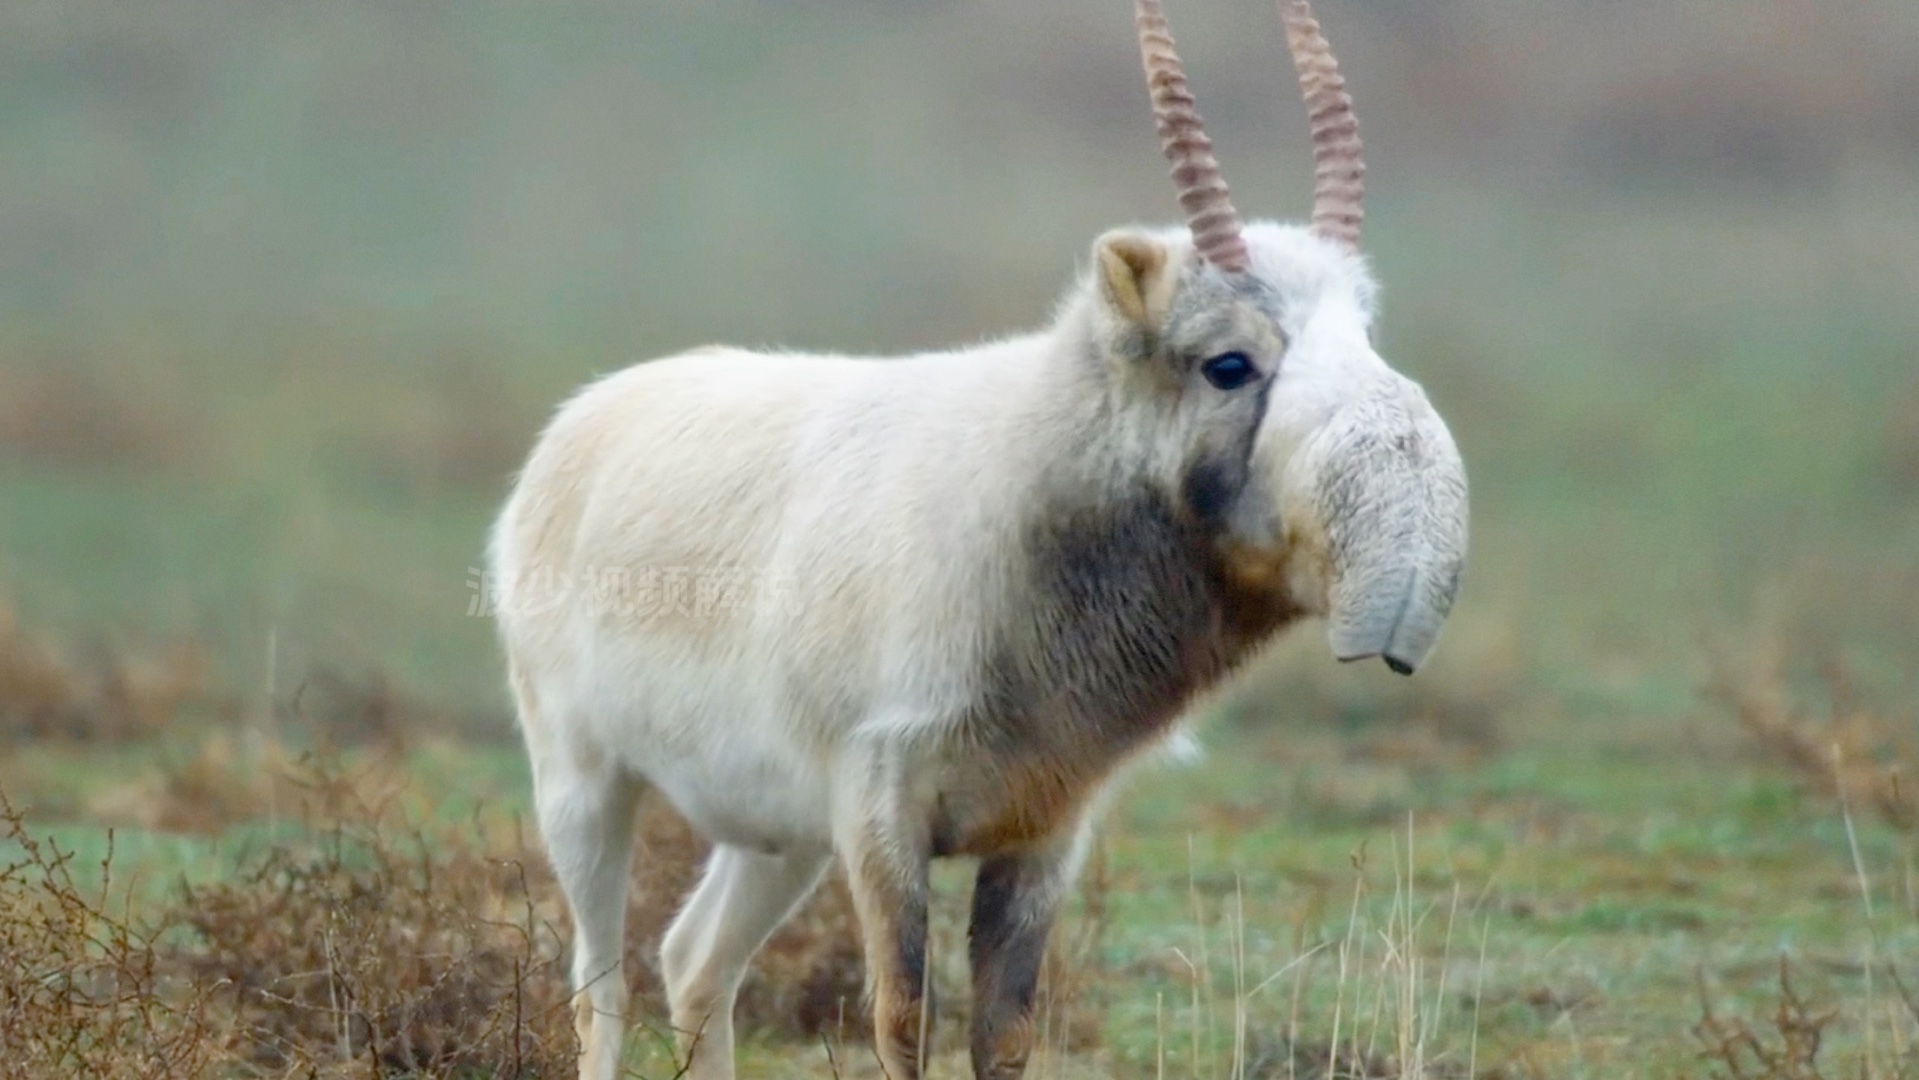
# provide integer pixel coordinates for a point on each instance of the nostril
(1400, 667)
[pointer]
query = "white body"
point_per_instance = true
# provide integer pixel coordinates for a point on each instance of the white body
(815, 493)
(780, 590)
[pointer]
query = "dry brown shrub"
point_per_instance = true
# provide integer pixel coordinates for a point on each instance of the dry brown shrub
(83, 990)
(380, 950)
(807, 981)
(105, 696)
(227, 780)
(1843, 748)
(371, 949)
(55, 409)
(1790, 1051)
(374, 947)
(342, 709)
(215, 787)
(37, 689)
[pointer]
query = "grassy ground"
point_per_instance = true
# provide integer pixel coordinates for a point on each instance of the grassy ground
(1589, 841)
(1442, 896)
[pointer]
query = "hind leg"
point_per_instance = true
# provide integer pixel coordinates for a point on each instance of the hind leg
(586, 809)
(588, 826)
(742, 898)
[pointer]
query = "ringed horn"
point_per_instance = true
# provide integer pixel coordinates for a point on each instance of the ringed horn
(1202, 194)
(1339, 171)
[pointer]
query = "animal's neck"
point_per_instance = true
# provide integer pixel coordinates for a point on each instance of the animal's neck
(1090, 442)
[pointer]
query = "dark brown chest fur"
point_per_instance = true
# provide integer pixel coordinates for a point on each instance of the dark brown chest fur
(1128, 612)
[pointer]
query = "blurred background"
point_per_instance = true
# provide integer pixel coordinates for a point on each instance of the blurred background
(286, 289)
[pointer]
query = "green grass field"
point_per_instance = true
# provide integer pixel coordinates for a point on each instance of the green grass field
(1582, 844)
(286, 291)
(1518, 894)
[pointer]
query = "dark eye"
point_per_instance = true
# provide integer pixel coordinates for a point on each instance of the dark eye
(1229, 371)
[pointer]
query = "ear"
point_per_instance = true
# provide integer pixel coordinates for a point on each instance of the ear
(1135, 277)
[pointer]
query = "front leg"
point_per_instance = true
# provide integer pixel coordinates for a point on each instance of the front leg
(1015, 900)
(886, 857)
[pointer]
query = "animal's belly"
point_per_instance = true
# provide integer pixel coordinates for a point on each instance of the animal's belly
(719, 743)
(749, 801)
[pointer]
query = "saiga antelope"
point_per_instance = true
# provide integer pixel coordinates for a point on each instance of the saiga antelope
(957, 592)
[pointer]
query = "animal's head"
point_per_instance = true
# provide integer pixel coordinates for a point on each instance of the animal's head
(1333, 486)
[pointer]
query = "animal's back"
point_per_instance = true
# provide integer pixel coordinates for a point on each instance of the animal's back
(702, 435)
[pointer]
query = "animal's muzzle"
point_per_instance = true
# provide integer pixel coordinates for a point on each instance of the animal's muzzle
(1398, 623)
